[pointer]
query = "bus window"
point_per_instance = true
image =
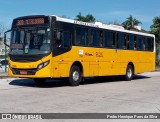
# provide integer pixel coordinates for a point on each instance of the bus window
(120, 40)
(143, 43)
(18, 37)
(140, 44)
(58, 38)
(105, 38)
(147, 44)
(109, 39)
(114, 34)
(150, 44)
(81, 36)
(101, 39)
(78, 36)
(63, 39)
(94, 38)
(66, 39)
(125, 41)
(131, 42)
(135, 42)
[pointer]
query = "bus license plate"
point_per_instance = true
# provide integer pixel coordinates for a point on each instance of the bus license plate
(23, 72)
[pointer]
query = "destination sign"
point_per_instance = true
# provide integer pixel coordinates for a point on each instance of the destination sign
(33, 21)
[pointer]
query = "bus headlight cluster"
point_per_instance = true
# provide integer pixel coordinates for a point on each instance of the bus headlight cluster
(42, 65)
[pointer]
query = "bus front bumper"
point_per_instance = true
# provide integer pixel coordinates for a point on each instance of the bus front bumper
(41, 71)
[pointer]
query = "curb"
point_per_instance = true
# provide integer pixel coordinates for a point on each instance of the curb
(157, 69)
(3, 75)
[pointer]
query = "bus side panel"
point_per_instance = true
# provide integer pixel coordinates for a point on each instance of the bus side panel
(109, 62)
(102, 62)
(63, 63)
(126, 57)
(146, 61)
(63, 69)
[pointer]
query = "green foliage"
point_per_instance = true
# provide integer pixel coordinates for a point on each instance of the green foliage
(130, 23)
(87, 18)
(155, 28)
(3, 56)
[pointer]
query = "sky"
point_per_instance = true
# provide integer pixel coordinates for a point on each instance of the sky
(103, 10)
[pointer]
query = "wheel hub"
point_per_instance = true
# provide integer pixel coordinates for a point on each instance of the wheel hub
(75, 75)
(129, 73)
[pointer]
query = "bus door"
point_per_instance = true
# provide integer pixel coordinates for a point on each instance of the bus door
(94, 41)
(94, 64)
(116, 62)
(63, 45)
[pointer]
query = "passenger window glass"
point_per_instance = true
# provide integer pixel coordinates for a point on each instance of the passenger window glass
(81, 36)
(131, 42)
(150, 44)
(108, 39)
(140, 43)
(120, 40)
(58, 38)
(66, 39)
(135, 42)
(125, 41)
(114, 39)
(101, 39)
(143, 43)
(94, 38)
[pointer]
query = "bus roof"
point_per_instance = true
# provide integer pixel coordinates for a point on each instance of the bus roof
(102, 26)
(96, 24)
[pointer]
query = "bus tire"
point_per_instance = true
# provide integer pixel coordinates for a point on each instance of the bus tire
(75, 76)
(129, 73)
(39, 81)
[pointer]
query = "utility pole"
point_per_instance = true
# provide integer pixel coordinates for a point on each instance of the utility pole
(5, 52)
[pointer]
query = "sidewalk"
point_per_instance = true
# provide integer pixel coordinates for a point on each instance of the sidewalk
(3, 74)
(157, 69)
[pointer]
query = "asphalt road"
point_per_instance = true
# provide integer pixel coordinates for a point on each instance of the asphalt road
(103, 95)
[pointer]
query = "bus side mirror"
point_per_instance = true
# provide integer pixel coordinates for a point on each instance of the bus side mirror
(7, 38)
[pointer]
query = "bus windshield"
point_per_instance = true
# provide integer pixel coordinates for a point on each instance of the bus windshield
(35, 41)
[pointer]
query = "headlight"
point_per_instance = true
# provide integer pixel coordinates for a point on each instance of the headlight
(42, 65)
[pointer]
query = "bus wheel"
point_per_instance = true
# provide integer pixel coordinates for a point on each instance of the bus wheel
(75, 76)
(129, 73)
(39, 81)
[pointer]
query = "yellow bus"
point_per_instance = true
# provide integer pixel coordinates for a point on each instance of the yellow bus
(43, 47)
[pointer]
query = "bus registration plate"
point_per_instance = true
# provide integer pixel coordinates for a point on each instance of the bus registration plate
(23, 72)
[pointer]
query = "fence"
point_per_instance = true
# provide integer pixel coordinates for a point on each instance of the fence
(3, 65)
(158, 55)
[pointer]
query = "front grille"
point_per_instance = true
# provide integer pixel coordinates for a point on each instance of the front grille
(24, 71)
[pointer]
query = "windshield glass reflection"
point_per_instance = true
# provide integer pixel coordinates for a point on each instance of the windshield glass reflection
(30, 41)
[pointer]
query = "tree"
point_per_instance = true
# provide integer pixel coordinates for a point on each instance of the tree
(155, 28)
(87, 18)
(130, 23)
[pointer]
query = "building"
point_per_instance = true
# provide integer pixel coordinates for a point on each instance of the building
(2, 47)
